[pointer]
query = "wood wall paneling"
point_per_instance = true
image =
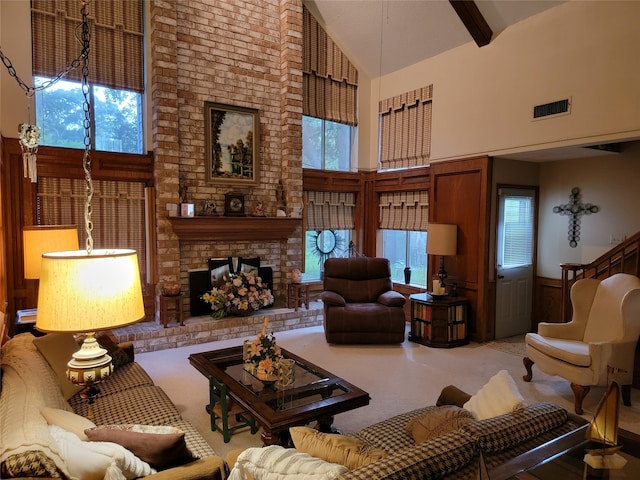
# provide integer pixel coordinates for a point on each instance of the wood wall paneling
(19, 206)
(548, 301)
(459, 194)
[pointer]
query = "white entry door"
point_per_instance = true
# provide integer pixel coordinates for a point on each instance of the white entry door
(514, 255)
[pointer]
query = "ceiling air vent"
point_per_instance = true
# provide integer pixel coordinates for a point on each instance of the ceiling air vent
(549, 109)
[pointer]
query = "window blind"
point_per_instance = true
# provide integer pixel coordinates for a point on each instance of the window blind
(116, 53)
(118, 211)
(330, 210)
(329, 79)
(405, 129)
(518, 231)
(404, 211)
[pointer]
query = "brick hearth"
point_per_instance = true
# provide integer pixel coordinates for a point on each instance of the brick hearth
(152, 336)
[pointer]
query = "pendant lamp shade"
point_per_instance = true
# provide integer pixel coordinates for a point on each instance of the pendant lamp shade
(81, 292)
(40, 239)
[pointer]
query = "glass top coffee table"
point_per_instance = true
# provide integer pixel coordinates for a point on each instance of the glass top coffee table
(315, 396)
(562, 459)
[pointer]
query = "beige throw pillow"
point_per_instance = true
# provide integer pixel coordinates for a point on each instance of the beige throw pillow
(335, 448)
(438, 421)
(69, 421)
(57, 349)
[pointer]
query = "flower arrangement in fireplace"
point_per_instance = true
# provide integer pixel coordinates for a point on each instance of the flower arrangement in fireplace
(240, 294)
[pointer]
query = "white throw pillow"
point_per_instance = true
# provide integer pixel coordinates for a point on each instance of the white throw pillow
(500, 395)
(97, 460)
(279, 463)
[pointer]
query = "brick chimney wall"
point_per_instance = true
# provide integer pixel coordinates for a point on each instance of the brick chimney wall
(246, 54)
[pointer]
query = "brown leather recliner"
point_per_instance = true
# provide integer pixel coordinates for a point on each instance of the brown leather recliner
(359, 303)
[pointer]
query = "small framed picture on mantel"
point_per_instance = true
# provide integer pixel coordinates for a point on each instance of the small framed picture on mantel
(231, 144)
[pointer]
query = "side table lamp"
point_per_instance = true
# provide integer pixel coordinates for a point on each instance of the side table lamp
(86, 292)
(441, 240)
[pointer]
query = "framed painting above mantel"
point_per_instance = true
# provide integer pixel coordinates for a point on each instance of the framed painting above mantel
(231, 144)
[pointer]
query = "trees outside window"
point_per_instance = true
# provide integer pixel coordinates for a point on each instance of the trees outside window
(406, 248)
(116, 117)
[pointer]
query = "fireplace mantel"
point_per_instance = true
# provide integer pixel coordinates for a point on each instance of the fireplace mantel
(234, 228)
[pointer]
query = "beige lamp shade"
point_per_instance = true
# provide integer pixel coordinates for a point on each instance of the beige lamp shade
(40, 239)
(81, 292)
(442, 239)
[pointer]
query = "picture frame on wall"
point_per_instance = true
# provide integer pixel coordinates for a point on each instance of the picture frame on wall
(231, 144)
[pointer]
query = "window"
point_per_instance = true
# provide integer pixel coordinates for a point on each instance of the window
(116, 117)
(320, 245)
(403, 223)
(406, 248)
(515, 229)
(326, 145)
(115, 69)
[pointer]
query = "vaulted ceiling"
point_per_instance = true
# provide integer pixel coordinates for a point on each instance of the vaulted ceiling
(382, 36)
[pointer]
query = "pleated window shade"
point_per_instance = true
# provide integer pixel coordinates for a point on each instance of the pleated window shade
(404, 211)
(330, 80)
(118, 211)
(330, 210)
(405, 129)
(116, 53)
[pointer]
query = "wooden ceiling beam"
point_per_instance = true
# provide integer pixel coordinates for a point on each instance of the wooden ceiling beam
(473, 20)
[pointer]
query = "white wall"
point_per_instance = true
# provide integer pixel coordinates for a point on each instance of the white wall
(483, 97)
(611, 182)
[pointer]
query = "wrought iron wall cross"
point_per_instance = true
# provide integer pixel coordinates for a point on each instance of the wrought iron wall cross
(575, 209)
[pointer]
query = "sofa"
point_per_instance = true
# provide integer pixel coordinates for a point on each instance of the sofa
(43, 419)
(360, 305)
(392, 450)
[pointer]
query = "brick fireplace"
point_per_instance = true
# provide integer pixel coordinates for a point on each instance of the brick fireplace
(201, 58)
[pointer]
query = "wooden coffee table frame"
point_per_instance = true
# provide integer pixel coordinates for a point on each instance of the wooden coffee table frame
(276, 423)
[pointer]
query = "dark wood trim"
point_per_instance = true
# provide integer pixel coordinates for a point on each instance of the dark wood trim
(473, 21)
(19, 206)
(405, 180)
(331, 181)
(234, 228)
(67, 163)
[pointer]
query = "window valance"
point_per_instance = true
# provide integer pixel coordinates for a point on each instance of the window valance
(404, 210)
(330, 210)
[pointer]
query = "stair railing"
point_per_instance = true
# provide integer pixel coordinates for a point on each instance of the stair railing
(624, 258)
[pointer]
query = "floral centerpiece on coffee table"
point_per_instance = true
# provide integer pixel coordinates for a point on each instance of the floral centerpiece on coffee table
(261, 356)
(240, 294)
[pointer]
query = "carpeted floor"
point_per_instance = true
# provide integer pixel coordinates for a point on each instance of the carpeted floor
(398, 378)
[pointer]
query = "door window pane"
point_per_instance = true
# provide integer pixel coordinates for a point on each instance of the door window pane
(516, 233)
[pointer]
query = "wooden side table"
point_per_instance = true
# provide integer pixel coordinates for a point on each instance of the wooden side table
(169, 303)
(438, 322)
(297, 293)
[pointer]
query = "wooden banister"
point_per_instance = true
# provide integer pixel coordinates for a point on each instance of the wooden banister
(623, 258)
